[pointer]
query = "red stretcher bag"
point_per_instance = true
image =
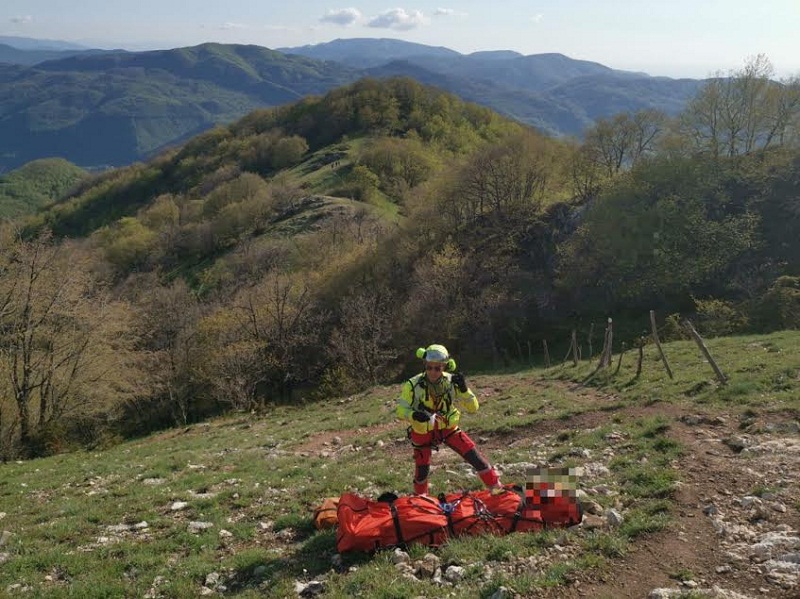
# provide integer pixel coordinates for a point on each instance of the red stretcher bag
(367, 525)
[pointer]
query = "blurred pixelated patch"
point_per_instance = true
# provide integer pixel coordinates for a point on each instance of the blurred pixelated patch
(551, 482)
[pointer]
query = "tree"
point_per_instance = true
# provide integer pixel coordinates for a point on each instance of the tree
(364, 182)
(166, 320)
(656, 235)
(619, 143)
(288, 151)
(742, 112)
(585, 173)
(362, 341)
(399, 163)
(279, 315)
(53, 319)
(783, 113)
(264, 343)
(504, 178)
(127, 244)
(246, 186)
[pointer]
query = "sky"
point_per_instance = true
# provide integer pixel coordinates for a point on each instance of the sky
(673, 38)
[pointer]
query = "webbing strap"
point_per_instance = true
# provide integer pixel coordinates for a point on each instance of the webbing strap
(398, 531)
(518, 513)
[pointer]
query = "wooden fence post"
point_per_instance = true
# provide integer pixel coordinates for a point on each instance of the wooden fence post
(574, 348)
(658, 343)
(569, 351)
(720, 375)
(602, 361)
(609, 343)
(641, 358)
(622, 353)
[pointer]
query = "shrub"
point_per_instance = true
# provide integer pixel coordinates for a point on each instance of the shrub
(717, 318)
(334, 382)
(779, 307)
(673, 330)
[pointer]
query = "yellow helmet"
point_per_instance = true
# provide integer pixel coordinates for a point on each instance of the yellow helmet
(437, 353)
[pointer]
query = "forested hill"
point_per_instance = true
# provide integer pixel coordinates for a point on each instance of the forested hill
(37, 184)
(307, 250)
(235, 67)
(112, 108)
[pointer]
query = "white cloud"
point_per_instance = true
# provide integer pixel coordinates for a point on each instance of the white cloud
(342, 16)
(448, 12)
(229, 26)
(22, 20)
(398, 18)
(537, 18)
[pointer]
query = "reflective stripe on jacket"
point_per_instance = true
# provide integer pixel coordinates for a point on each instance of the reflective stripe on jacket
(418, 394)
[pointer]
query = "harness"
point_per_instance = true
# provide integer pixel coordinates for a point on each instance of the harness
(444, 401)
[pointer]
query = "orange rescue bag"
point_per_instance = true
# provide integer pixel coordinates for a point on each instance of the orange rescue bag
(367, 525)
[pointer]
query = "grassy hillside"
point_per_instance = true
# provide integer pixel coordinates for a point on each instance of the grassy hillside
(225, 506)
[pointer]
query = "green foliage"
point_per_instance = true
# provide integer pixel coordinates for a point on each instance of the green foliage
(605, 544)
(641, 522)
(288, 151)
(716, 318)
(114, 109)
(128, 244)
(656, 234)
(37, 184)
(364, 183)
(779, 307)
(673, 329)
(400, 164)
(111, 196)
(392, 106)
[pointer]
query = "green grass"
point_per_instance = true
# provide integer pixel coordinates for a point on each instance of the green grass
(761, 371)
(101, 523)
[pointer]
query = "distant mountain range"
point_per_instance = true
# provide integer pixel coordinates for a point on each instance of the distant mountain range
(29, 51)
(109, 108)
(30, 43)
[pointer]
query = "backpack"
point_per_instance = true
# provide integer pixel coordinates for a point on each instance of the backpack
(325, 514)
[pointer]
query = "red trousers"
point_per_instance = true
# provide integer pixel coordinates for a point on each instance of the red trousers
(457, 440)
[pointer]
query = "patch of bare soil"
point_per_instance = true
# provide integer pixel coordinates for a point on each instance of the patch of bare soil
(324, 443)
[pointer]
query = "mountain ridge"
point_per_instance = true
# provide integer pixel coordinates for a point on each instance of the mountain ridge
(146, 101)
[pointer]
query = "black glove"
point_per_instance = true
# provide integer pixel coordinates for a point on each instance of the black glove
(421, 416)
(459, 382)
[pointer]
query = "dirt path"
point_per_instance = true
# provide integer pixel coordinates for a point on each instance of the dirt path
(715, 480)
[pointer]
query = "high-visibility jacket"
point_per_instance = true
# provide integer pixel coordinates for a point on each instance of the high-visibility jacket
(418, 394)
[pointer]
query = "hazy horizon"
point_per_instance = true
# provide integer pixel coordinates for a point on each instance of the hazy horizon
(681, 39)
